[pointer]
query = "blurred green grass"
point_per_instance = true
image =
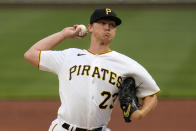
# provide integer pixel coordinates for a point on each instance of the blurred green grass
(162, 39)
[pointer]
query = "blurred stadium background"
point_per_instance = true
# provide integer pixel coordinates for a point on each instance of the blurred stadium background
(100, 1)
(161, 38)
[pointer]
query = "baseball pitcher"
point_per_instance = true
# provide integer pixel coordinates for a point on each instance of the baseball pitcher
(91, 80)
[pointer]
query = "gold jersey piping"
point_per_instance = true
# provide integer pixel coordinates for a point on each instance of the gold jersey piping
(54, 127)
(39, 59)
(99, 53)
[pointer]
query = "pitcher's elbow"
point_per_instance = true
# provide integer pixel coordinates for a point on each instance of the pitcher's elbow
(26, 56)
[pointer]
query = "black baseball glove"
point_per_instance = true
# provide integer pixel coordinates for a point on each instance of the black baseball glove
(127, 97)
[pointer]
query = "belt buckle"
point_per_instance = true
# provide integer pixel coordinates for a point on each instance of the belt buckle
(88, 130)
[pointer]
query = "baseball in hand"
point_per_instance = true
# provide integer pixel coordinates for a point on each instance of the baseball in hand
(83, 30)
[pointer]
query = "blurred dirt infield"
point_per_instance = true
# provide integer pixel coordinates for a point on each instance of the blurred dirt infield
(36, 115)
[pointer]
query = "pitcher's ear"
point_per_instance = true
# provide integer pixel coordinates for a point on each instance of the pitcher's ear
(90, 27)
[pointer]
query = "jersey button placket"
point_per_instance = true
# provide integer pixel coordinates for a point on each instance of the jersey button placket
(93, 81)
(92, 87)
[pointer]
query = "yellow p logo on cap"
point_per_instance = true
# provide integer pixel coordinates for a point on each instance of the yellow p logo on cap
(108, 11)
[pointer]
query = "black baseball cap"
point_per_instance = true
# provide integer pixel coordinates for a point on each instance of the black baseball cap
(104, 13)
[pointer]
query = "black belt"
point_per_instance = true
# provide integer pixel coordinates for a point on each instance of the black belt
(66, 126)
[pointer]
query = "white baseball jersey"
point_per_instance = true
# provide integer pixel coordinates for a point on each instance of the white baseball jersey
(89, 83)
